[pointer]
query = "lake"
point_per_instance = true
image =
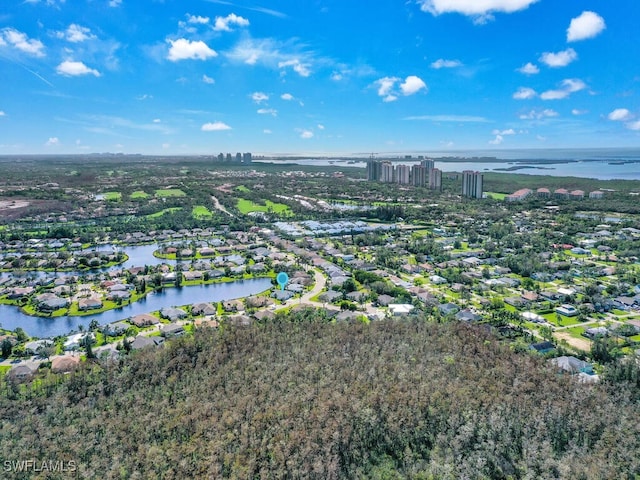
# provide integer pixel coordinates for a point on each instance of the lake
(11, 317)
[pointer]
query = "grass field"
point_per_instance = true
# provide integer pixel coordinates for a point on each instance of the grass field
(112, 196)
(247, 206)
(242, 188)
(170, 192)
(200, 211)
(138, 195)
(496, 196)
(162, 212)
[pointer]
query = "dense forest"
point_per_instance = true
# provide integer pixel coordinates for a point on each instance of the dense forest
(310, 399)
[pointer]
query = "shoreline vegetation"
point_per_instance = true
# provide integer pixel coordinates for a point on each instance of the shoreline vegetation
(73, 311)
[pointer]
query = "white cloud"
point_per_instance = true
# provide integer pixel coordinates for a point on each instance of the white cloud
(620, 115)
(274, 54)
(633, 125)
(568, 86)
(52, 142)
(73, 69)
(529, 69)
(268, 111)
(320, 126)
(115, 3)
(539, 114)
(524, 93)
(576, 111)
(197, 19)
(266, 131)
(207, 79)
(22, 42)
(412, 84)
(76, 33)
(559, 59)
(215, 127)
(222, 24)
(586, 25)
(442, 63)
(496, 141)
(2, 114)
(509, 131)
(157, 120)
(476, 8)
(301, 69)
(165, 146)
(286, 96)
(144, 96)
(305, 134)
(183, 49)
(337, 76)
(259, 97)
(387, 87)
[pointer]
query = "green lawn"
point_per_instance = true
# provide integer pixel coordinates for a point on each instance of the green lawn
(495, 195)
(242, 188)
(112, 196)
(170, 192)
(138, 195)
(200, 211)
(162, 212)
(564, 321)
(247, 206)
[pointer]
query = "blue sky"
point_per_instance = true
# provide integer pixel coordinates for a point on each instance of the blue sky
(317, 76)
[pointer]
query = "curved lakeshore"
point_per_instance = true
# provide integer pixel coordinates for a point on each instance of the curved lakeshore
(11, 317)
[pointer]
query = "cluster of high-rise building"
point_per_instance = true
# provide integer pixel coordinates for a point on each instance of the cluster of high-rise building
(238, 158)
(423, 174)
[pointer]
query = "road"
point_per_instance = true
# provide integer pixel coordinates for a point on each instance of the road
(320, 284)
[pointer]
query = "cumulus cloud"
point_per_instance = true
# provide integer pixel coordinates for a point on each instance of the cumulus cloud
(268, 111)
(388, 87)
(577, 111)
(286, 96)
(305, 134)
(266, 131)
(529, 69)
(559, 59)
(567, 87)
(215, 127)
(223, 24)
(74, 69)
(586, 25)
(411, 85)
(2, 114)
(442, 63)
(497, 141)
(197, 19)
(524, 93)
(52, 142)
(620, 115)
(509, 131)
(259, 97)
(476, 8)
(183, 49)
(320, 126)
(539, 114)
(207, 79)
(76, 33)
(20, 41)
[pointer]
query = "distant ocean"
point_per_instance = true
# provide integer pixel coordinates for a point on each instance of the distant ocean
(600, 163)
